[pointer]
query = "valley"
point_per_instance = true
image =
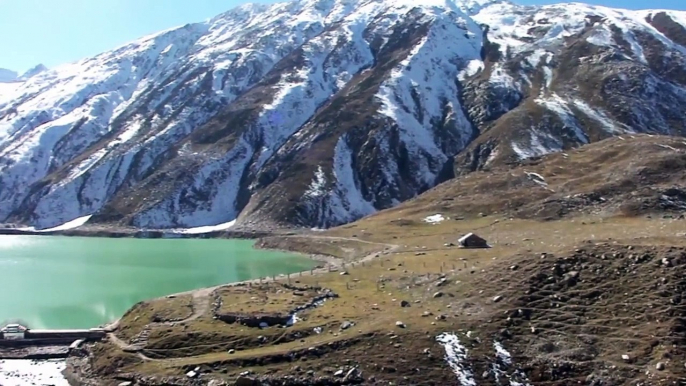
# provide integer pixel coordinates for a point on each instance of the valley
(370, 135)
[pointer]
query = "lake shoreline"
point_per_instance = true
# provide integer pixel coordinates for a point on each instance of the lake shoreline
(294, 263)
(147, 233)
(77, 375)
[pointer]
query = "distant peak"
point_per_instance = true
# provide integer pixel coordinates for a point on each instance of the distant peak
(474, 6)
(33, 72)
(7, 76)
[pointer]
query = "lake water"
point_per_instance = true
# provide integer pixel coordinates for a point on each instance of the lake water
(81, 282)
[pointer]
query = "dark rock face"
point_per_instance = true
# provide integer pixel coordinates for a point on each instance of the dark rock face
(319, 123)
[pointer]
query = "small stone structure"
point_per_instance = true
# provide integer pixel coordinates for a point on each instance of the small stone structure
(471, 240)
(13, 331)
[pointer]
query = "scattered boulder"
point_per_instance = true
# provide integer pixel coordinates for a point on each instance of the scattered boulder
(404, 303)
(660, 366)
(354, 375)
(626, 358)
(346, 325)
(400, 324)
(192, 374)
(438, 294)
(497, 299)
(246, 381)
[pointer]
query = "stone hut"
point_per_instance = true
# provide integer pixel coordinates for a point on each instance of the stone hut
(471, 240)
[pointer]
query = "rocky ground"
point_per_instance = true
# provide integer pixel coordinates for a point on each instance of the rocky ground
(592, 294)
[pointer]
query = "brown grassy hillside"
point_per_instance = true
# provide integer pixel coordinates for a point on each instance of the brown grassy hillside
(584, 284)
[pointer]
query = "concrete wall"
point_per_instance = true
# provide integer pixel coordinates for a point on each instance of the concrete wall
(65, 334)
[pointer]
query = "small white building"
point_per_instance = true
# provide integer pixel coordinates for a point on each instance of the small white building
(13, 331)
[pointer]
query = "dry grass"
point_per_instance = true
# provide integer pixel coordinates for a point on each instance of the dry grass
(262, 298)
(154, 311)
(371, 293)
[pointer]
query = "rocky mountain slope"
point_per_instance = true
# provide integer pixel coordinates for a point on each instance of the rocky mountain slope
(318, 112)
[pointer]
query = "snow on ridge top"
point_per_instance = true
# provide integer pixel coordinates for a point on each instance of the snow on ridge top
(510, 25)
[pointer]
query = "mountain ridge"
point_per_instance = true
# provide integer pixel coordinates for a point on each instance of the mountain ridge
(317, 113)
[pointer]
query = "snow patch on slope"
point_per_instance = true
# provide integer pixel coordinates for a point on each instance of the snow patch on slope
(206, 229)
(434, 219)
(456, 357)
(503, 361)
(540, 143)
(75, 223)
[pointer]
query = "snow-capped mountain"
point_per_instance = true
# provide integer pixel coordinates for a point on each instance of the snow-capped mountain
(317, 112)
(7, 76)
(33, 72)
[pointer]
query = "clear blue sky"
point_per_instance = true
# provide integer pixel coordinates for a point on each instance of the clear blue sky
(53, 32)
